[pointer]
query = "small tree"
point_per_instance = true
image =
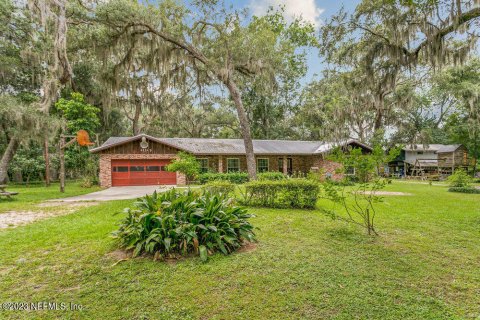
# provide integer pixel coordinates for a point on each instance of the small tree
(79, 115)
(459, 179)
(186, 164)
(361, 209)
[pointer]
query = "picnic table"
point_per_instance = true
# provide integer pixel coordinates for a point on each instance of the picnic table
(6, 193)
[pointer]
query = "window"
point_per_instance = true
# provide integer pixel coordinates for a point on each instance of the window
(280, 164)
(350, 171)
(262, 165)
(137, 168)
(120, 169)
(233, 165)
(203, 165)
(420, 152)
(153, 168)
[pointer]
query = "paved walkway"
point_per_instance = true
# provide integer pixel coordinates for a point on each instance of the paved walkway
(116, 193)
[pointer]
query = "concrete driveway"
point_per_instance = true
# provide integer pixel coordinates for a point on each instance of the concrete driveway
(116, 193)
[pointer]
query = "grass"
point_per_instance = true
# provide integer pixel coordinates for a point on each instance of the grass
(28, 197)
(424, 265)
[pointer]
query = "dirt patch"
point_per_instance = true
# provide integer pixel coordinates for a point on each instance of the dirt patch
(249, 246)
(18, 218)
(389, 193)
(82, 204)
(119, 254)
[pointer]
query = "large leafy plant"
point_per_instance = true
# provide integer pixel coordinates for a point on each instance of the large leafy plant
(175, 223)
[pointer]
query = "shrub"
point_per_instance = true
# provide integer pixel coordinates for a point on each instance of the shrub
(362, 210)
(186, 164)
(464, 190)
(233, 177)
(459, 179)
(291, 193)
(272, 176)
(86, 182)
(219, 187)
(175, 223)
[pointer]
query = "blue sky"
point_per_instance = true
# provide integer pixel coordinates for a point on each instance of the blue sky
(315, 11)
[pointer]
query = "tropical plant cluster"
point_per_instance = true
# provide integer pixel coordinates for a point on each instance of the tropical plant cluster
(175, 223)
(289, 193)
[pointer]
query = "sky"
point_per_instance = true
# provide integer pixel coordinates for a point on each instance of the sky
(314, 11)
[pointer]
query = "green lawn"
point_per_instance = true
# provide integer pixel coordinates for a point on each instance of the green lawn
(424, 265)
(28, 197)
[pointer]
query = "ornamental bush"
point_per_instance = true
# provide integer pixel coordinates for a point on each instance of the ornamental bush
(186, 164)
(272, 176)
(173, 223)
(459, 179)
(219, 187)
(464, 190)
(233, 177)
(289, 193)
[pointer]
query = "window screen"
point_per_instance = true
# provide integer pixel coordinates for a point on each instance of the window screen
(262, 165)
(233, 165)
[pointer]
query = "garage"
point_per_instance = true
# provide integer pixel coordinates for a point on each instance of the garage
(142, 172)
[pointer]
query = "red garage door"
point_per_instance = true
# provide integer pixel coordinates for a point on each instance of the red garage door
(141, 173)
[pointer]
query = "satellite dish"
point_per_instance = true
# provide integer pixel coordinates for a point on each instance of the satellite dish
(144, 143)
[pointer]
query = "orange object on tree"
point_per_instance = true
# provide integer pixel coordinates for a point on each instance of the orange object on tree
(83, 139)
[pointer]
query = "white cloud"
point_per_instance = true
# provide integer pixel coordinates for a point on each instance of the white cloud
(307, 9)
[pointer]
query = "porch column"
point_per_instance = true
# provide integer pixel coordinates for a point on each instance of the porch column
(220, 164)
(285, 165)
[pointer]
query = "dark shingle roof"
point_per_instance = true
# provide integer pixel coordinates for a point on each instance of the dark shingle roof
(235, 146)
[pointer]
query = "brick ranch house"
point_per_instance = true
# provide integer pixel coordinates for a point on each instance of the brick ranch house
(142, 159)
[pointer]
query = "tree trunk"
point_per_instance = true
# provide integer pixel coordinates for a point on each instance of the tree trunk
(61, 151)
(46, 155)
(244, 127)
(136, 119)
(12, 147)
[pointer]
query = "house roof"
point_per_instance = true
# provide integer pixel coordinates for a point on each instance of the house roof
(201, 146)
(438, 148)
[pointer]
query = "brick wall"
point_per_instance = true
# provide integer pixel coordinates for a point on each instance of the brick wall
(300, 164)
(328, 169)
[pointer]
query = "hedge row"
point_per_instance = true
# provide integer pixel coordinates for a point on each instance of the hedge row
(219, 187)
(271, 176)
(238, 177)
(464, 190)
(233, 177)
(289, 193)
